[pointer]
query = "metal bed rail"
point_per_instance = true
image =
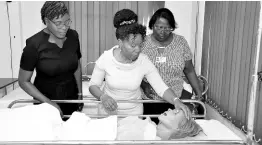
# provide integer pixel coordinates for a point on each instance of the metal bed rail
(129, 142)
(119, 101)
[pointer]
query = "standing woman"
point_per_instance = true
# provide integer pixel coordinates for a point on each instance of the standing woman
(123, 68)
(171, 55)
(54, 53)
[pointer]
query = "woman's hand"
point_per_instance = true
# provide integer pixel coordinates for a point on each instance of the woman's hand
(57, 107)
(179, 105)
(108, 102)
(80, 105)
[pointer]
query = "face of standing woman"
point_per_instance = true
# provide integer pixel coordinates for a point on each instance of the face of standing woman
(131, 47)
(161, 29)
(59, 26)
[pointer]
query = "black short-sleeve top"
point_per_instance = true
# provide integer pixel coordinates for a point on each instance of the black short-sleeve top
(50, 61)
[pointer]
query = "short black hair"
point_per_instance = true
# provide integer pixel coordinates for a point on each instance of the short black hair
(125, 22)
(163, 13)
(53, 9)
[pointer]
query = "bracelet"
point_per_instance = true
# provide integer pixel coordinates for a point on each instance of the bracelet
(176, 98)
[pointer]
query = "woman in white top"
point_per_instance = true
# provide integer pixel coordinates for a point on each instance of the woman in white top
(123, 68)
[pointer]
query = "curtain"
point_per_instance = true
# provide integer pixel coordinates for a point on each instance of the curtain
(93, 20)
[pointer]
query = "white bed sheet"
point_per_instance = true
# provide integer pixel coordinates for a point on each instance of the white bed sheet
(213, 130)
(16, 94)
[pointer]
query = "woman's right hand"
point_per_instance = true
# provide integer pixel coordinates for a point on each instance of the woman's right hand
(57, 107)
(108, 103)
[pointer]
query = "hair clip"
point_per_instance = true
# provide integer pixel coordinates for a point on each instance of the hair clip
(243, 129)
(254, 137)
(214, 105)
(127, 22)
(229, 118)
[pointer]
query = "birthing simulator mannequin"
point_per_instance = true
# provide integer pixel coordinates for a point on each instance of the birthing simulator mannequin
(43, 122)
(172, 125)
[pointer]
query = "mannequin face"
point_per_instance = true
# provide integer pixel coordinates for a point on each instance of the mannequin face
(169, 122)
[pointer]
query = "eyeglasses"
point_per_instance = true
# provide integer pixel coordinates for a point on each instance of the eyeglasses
(61, 24)
(166, 29)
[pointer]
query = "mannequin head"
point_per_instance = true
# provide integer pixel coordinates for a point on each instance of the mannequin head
(173, 125)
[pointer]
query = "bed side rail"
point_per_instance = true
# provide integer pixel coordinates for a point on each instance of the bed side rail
(119, 101)
(135, 142)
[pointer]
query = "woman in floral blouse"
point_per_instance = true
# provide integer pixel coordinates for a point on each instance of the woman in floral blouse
(172, 57)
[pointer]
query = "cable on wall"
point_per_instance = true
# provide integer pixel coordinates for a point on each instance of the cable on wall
(196, 33)
(209, 43)
(10, 39)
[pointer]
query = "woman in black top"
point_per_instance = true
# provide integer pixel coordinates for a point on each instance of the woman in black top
(55, 54)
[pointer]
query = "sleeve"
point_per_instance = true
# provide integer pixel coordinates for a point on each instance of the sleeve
(187, 54)
(29, 57)
(154, 78)
(78, 51)
(98, 74)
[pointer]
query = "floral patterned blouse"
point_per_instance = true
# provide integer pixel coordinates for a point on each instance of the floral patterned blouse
(171, 62)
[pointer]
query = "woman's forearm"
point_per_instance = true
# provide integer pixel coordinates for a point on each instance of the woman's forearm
(169, 96)
(78, 77)
(95, 91)
(193, 80)
(30, 89)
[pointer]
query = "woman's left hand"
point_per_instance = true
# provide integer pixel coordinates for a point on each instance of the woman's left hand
(180, 105)
(80, 105)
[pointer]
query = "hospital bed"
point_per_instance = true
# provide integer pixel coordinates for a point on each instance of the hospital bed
(90, 108)
(209, 113)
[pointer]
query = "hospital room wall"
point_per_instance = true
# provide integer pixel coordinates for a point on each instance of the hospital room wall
(229, 46)
(93, 21)
(24, 19)
(190, 19)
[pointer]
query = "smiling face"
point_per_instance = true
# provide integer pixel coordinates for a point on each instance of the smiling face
(59, 26)
(169, 122)
(131, 47)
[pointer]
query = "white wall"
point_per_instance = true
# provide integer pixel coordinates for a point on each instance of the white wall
(198, 51)
(25, 20)
(185, 13)
(31, 18)
(5, 51)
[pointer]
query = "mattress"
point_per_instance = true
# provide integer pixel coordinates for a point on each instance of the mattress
(213, 130)
(16, 94)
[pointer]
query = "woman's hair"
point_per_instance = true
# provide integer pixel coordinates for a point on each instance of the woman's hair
(163, 13)
(53, 9)
(186, 128)
(125, 22)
